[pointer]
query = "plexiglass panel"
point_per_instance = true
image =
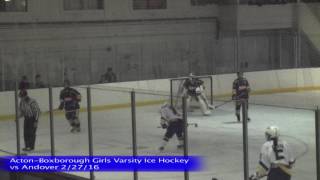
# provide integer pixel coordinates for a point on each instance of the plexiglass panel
(111, 125)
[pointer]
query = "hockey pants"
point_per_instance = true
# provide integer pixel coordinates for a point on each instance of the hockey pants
(239, 105)
(174, 128)
(278, 174)
(73, 118)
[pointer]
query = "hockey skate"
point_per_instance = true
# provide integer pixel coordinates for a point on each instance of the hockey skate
(210, 107)
(207, 113)
(238, 117)
(180, 146)
(204, 109)
(73, 130)
(27, 149)
(161, 148)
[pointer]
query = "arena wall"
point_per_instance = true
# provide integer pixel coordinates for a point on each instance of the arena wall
(298, 88)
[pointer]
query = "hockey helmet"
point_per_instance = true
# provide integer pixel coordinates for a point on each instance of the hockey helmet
(272, 132)
(240, 74)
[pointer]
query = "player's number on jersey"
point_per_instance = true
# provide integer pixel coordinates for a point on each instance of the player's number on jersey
(279, 152)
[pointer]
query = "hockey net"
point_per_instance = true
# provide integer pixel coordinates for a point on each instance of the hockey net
(176, 90)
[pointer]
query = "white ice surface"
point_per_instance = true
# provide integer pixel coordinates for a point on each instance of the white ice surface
(218, 139)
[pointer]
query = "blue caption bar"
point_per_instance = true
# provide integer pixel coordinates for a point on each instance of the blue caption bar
(100, 163)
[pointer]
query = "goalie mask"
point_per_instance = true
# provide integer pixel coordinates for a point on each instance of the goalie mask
(272, 132)
(191, 76)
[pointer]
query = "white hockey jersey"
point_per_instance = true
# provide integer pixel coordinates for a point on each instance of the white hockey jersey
(168, 114)
(271, 156)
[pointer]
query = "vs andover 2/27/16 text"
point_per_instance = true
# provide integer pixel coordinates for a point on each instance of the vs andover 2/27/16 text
(62, 167)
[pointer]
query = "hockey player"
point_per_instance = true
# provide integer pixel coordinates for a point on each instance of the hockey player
(171, 120)
(29, 109)
(275, 157)
(69, 101)
(194, 88)
(240, 92)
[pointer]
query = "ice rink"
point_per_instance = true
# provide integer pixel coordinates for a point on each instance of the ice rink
(218, 138)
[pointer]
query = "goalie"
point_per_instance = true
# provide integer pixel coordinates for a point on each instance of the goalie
(171, 120)
(194, 89)
(275, 158)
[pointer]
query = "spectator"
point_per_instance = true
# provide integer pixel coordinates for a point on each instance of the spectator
(24, 83)
(110, 76)
(102, 79)
(39, 83)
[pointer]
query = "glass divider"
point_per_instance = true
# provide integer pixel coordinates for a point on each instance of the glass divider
(317, 127)
(89, 113)
(245, 138)
(134, 130)
(185, 133)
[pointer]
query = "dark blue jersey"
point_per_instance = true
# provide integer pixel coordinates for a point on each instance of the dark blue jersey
(69, 99)
(241, 88)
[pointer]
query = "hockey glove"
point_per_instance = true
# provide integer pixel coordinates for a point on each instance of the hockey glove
(60, 106)
(253, 177)
(78, 98)
(163, 123)
(164, 126)
(291, 163)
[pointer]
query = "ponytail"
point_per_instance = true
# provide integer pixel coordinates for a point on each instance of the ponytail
(275, 144)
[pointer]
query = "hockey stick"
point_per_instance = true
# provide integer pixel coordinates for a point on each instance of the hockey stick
(193, 124)
(219, 105)
(61, 110)
(189, 124)
(228, 101)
